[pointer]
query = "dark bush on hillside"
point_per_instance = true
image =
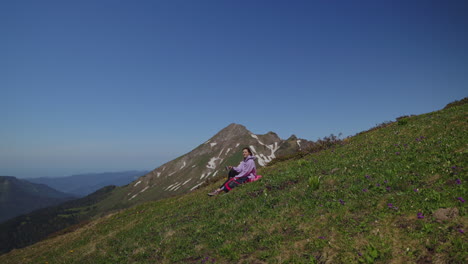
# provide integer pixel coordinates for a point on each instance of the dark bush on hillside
(325, 143)
(379, 126)
(403, 120)
(457, 103)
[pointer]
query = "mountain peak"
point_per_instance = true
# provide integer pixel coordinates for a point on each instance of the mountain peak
(234, 126)
(232, 130)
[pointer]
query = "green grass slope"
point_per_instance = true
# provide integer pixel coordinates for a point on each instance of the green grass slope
(390, 195)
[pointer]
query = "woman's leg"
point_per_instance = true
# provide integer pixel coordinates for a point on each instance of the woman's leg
(222, 185)
(233, 183)
(232, 173)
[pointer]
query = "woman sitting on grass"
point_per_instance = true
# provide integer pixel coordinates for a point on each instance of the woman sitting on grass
(237, 175)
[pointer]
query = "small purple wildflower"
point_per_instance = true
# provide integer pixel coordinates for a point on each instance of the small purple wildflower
(342, 202)
(388, 188)
(390, 205)
(368, 177)
(458, 181)
(461, 199)
(385, 181)
(397, 153)
(420, 215)
(364, 190)
(359, 254)
(378, 185)
(416, 190)
(461, 231)
(321, 237)
(454, 167)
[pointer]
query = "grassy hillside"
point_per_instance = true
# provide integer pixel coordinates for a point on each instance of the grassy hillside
(391, 195)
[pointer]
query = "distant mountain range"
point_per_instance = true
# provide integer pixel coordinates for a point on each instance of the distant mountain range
(20, 197)
(83, 184)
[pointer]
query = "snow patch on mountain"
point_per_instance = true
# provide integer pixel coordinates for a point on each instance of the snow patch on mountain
(205, 175)
(213, 144)
(172, 186)
(187, 181)
(196, 186)
(254, 136)
(262, 159)
(299, 142)
(175, 187)
(212, 163)
(136, 184)
(227, 151)
(185, 163)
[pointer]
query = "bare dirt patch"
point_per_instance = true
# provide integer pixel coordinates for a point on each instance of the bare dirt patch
(445, 214)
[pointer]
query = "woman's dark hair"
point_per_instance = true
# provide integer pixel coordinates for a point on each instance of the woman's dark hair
(248, 149)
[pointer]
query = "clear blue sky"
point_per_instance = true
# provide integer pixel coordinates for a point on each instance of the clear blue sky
(93, 86)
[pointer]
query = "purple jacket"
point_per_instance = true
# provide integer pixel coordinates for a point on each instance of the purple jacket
(246, 168)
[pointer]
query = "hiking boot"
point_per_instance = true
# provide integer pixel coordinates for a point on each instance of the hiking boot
(213, 193)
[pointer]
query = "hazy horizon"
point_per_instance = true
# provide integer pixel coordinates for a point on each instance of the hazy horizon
(31, 173)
